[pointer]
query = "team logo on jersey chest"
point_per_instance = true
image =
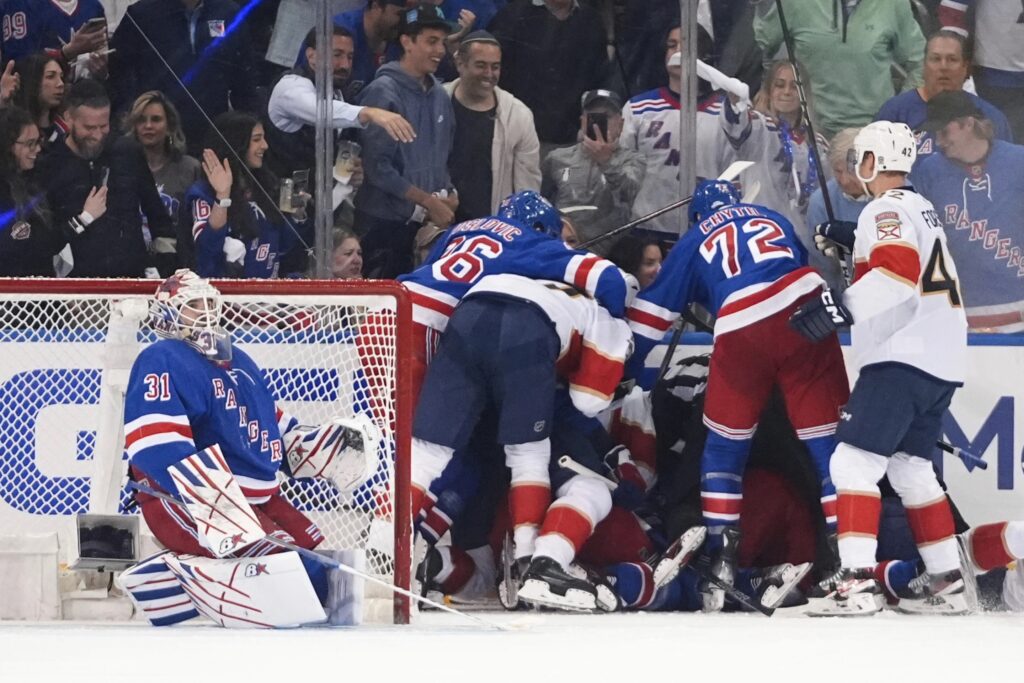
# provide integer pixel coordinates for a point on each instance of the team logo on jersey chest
(887, 225)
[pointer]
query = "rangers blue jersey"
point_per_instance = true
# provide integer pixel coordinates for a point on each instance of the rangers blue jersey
(35, 25)
(262, 253)
(742, 263)
(498, 246)
(178, 402)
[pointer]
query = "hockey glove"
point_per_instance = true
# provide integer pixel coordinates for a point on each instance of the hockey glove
(820, 317)
(829, 234)
(632, 489)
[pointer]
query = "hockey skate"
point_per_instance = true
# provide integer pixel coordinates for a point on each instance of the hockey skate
(426, 575)
(678, 555)
(510, 578)
(723, 567)
(546, 584)
(847, 593)
(935, 594)
(778, 582)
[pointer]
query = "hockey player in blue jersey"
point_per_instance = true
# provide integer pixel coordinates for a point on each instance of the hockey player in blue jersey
(746, 266)
(201, 425)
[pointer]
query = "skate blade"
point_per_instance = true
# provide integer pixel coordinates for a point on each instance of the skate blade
(538, 593)
(774, 595)
(856, 605)
(668, 568)
(949, 605)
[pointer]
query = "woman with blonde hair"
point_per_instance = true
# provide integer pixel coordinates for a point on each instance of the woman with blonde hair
(347, 256)
(154, 122)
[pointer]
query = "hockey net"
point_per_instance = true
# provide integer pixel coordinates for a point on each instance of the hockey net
(328, 349)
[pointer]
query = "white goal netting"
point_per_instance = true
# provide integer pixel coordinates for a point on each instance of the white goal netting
(328, 350)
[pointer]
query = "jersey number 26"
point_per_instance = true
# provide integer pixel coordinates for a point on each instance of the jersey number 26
(463, 260)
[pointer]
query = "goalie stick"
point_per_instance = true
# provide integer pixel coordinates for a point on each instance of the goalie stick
(334, 564)
(703, 571)
(730, 173)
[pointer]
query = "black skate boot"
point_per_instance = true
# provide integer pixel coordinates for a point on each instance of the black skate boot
(510, 575)
(776, 585)
(723, 567)
(935, 594)
(427, 573)
(678, 555)
(546, 584)
(851, 593)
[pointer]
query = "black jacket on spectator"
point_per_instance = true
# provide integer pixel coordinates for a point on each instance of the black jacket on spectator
(218, 69)
(112, 246)
(549, 64)
(28, 241)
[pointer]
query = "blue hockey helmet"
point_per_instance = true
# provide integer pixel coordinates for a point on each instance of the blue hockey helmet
(531, 209)
(710, 196)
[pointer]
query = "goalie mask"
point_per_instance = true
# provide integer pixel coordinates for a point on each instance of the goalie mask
(187, 307)
(892, 144)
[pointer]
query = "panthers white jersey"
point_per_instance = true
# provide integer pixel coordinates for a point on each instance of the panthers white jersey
(900, 243)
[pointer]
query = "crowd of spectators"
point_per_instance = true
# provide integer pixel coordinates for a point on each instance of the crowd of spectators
(168, 140)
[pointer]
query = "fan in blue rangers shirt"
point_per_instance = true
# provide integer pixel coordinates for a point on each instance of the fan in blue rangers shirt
(193, 402)
(746, 266)
(522, 239)
(976, 184)
(60, 27)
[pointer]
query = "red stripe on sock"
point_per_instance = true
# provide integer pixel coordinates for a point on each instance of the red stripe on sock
(720, 506)
(988, 546)
(932, 522)
(528, 503)
(858, 513)
(569, 523)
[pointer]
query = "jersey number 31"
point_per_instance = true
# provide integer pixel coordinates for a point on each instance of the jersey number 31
(762, 244)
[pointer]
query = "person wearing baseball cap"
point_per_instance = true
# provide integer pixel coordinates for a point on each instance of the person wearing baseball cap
(976, 182)
(407, 184)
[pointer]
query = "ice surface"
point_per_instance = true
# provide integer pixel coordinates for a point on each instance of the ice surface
(539, 648)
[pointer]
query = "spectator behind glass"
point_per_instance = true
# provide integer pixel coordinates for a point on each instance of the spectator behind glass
(374, 29)
(347, 257)
(553, 51)
(488, 118)
(845, 192)
(597, 171)
(154, 122)
(849, 50)
(976, 183)
(999, 52)
(639, 256)
(111, 245)
(238, 229)
(947, 64)
(651, 127)
(206, 47)
(62, 29)
(406, 184)
(40, 92)
(775, 136)
(292, 109)
(28, 238)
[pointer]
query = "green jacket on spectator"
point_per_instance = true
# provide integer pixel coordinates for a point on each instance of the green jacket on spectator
(848, 57)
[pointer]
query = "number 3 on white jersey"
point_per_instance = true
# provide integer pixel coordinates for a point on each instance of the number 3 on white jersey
(463, 260)
(762, 244)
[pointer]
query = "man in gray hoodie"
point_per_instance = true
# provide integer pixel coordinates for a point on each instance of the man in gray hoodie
(407, 184)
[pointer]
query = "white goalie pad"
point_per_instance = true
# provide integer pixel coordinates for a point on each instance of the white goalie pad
(344, 451)
(225, 520)
(272, 591)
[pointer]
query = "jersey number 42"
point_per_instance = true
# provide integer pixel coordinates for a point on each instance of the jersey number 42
(763, 244)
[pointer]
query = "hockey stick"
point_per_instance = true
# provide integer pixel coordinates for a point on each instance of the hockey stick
(333, 564)
(730, 173)
(736, 594)
(967, 457)
(812, 139)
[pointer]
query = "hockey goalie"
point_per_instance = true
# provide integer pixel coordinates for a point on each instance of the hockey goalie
(202, 429)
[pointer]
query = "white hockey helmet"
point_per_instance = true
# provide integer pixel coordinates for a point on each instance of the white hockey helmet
(892, 144)
(188, 307)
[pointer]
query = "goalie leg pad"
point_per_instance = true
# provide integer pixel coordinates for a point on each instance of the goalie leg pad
(156, 592)
(258, 592)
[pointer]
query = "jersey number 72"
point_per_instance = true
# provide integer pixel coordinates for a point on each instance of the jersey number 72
(762, 244)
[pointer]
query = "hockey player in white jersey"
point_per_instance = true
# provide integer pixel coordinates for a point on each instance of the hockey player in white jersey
(909, 343)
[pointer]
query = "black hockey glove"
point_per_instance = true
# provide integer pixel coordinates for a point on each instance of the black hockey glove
(835, 238)
(820, 317)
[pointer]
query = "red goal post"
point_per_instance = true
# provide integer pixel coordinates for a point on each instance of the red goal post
(329, 348)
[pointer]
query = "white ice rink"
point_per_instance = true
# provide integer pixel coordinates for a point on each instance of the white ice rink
(542, 648)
